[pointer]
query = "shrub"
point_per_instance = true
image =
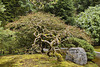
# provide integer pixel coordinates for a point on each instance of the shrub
(63, 8)
(6, 36)
(81, 5)
(7, 40)
(30, 27)
(76, 42)
(14, 9)
(2, 7)
(39, 4)
(90, 21)
(23, 25)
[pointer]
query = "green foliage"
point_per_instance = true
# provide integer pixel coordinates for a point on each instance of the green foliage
(59, 57)
(7, 39)
(81, 5)
(2, 7)
(76, 42)
(90, 21)
(39, 4)
(63, 8)
(96, 2)
(25, 28)
(14, 9)
(25, 34)
(69, 45)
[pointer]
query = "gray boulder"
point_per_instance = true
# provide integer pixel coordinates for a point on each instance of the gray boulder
(77, 55)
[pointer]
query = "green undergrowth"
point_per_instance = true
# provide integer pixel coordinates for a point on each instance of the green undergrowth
(76, 42)
(36, 60)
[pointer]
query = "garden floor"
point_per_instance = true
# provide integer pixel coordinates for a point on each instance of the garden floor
(37, 60)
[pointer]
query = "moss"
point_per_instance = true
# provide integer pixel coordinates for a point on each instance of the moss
(97, 48)
(97, 61)
(91, 64)
(59, 57)
(22, 60)
(36, 60)
(68, 64)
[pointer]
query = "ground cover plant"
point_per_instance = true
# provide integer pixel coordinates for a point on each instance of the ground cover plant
(37, 60)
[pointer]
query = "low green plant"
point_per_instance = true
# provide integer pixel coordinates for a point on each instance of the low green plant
(76, 42)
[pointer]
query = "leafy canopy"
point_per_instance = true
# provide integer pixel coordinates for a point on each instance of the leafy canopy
(14, 8)
(2, 7)
(63, 8)
(81, 5)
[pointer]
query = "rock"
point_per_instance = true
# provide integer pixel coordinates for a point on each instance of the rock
(97, 54)
(77, 55)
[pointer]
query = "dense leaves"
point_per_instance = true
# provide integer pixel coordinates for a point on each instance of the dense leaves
(2, 7)
(45, 28)
(6, 36)
(7, 40)
(14, 9)
(81, 5)
(63, 8)
(25, 27)
(90, 21)
(39, 4)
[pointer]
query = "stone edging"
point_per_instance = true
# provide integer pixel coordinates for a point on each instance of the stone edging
(97, 54)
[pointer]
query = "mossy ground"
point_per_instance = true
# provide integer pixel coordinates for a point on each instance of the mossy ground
(97, 60)
(36, 60)
(97, 48)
